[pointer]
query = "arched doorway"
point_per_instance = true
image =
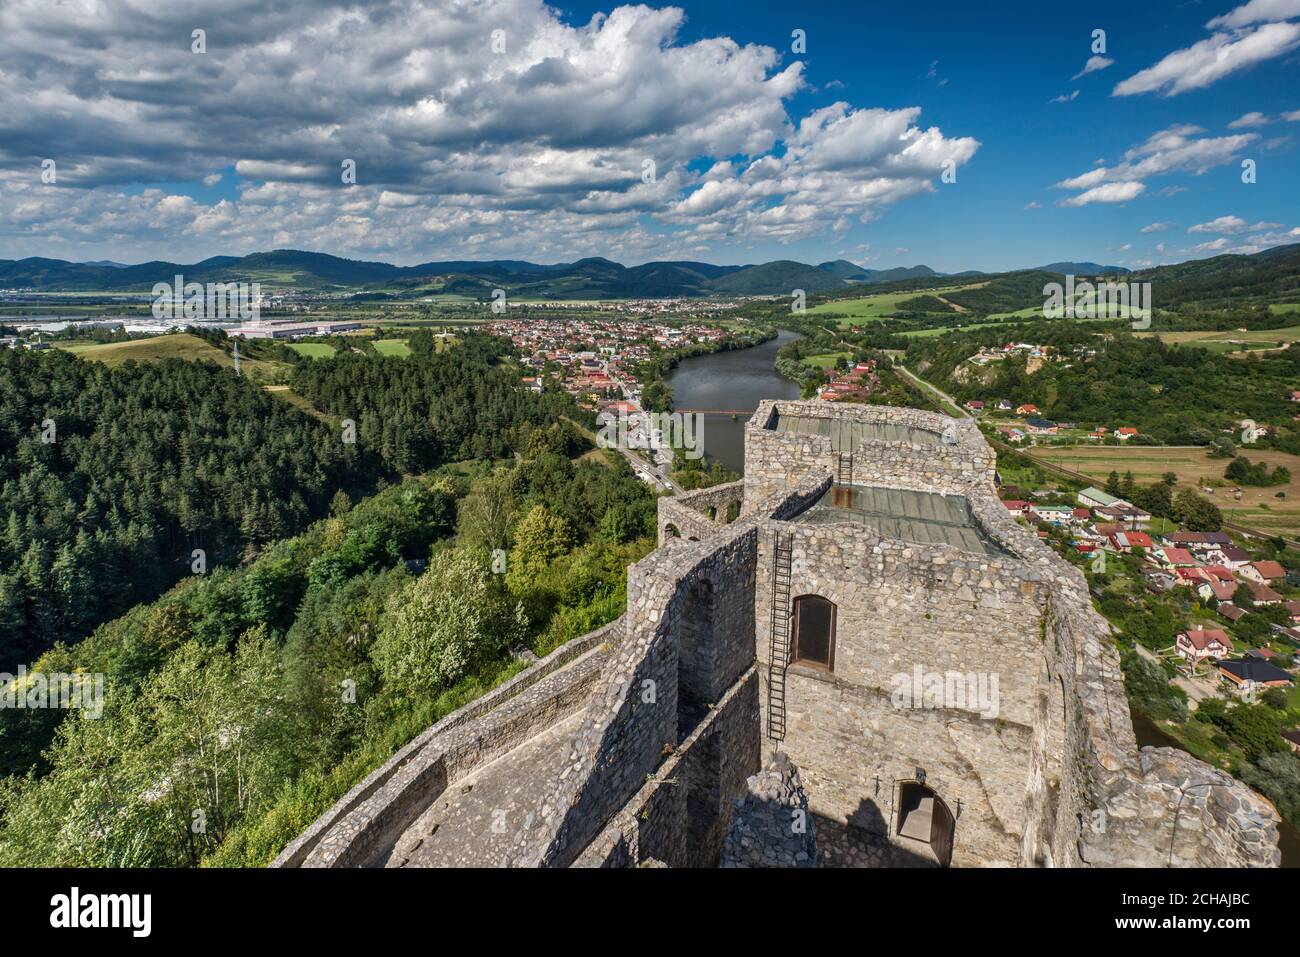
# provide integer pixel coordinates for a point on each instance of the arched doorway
(921, 815)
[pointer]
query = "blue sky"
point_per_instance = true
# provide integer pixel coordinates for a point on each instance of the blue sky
(538, 149)
(1003, 70)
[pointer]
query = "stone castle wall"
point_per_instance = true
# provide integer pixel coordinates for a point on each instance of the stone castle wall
(679, 816)
(775, 461)
(900, 608)
(772, 826)
(699, 514)
(670, 701)
(361, 827)
(690, 639)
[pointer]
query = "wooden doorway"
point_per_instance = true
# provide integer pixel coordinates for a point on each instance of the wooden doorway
(921, 815)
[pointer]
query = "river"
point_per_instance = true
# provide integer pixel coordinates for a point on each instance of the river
(735, 381)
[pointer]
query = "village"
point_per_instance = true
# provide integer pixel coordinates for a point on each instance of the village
(594, 359)
(853, 385)
(1242, 611)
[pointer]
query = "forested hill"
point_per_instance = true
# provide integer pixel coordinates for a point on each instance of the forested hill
(431, 408)
(110, 478)
(1179, 395)
(252, 698)
(1271, 274)
(147, 462)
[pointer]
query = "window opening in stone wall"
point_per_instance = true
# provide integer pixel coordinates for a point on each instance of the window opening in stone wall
(814, 632)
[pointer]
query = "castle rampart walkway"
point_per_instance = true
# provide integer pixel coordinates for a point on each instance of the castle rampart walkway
(473, 822)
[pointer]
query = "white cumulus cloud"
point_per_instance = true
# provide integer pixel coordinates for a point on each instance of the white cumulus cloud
(577, 138)
(1211, 59)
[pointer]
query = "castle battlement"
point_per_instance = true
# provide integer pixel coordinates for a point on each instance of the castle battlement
(861, 603)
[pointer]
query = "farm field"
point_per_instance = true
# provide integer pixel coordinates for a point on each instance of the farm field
(385, 347)
(313, 350)
(1002, 319)
(941, 330)
(171, 346)
(879, 306)
(393, 347)
(1259, 507)
(825, 360)
(1232, 340)
(1031, 312)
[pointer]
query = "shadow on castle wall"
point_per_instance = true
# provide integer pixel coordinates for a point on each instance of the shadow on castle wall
(863, 841)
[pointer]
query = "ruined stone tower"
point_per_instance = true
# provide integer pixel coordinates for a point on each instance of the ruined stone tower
(861, 602)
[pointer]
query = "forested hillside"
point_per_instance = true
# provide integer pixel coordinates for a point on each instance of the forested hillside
(1172, 394)
(243, 702)
(419, 411)
(110, 478)
(1206, 284)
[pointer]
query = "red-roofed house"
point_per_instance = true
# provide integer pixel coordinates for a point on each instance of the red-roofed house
(1026, 409)
(1015, 508)
(1293, 609)
(1125, 432)
(1192, 575)
(1127, 541)
(1174, 557)
(1200, 643)
(1263, 572)
(1263, 595)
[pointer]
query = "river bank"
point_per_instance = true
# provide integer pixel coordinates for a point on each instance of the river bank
(726, 388)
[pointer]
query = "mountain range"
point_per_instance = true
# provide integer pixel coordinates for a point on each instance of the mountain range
(592, 278)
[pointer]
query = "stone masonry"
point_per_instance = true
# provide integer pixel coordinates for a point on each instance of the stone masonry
(771, 826)
(973, 712)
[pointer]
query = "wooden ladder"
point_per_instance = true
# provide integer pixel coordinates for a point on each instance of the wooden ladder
(844, 468)
(779, 646)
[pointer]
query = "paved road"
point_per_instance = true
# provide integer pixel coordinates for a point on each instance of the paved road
(916, 380)
(649, 472)
(640, 466)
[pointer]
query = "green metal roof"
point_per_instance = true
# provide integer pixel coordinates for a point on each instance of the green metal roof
(1097, 495)
(847, 436)
(925, 518)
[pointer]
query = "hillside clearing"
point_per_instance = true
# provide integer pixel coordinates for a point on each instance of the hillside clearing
(879, 306)
(180, 345)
